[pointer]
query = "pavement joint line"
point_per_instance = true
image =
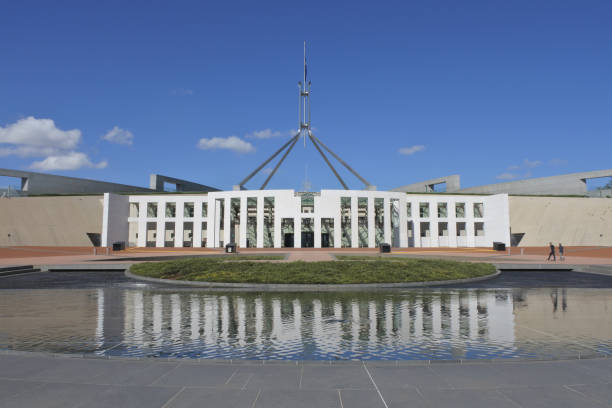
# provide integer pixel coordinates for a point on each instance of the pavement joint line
(172, 398)
(507, 398)
(256, 398)
(247, 382)
(569, 388)
(152, 383)
(340, 398)
(301, 376)
(231, 376)
(375, 386)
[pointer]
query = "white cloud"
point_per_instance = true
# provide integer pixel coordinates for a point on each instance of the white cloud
(232, 143)
(67, 161)
(32, 137)
(35, 137)
(119, 136)
(507, 176)
(269, 133)
(411, 150)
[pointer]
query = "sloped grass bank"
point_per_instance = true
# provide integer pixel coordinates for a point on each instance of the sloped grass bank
(374, 270)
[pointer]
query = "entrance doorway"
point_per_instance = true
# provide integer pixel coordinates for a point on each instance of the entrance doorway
(288, 240)
(307, 239)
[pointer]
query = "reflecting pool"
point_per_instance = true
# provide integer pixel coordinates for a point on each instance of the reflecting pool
(405, 325)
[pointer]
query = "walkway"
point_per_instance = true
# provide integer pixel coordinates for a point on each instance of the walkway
(31, 380)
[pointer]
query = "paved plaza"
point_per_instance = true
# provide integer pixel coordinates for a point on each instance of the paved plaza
(33, 380)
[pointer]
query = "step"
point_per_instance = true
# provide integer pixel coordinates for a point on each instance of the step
(17, 271)
(15, 267)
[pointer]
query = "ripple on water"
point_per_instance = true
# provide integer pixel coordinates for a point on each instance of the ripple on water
(406, 325)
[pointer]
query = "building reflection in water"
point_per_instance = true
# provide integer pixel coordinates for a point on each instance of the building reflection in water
(418, 324)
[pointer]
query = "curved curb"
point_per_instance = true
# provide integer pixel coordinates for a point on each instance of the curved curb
(308, 287)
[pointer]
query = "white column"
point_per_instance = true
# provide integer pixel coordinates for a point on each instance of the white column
(243, 222)
(277, 226)
(142, 229)
(260, 222)
(317, 232)
(214, 211)
(178, 224)
(371, 226)
(387, 220)
(297, 230)
(226, 221)
(403, 223)
(197, 224)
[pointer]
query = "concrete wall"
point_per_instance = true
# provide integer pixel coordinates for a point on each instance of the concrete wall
(39, 183)
(569, 220)
(566, 184)
(114, 219)
(53, 221)
(453, 183)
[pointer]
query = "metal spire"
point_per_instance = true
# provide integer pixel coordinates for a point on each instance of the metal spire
(304, 131)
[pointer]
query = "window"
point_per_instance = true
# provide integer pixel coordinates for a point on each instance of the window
(152, 210)
(442, 210)
(408, 210)
(134, 210)
(307, 203)
(479, 229)
(460, 210)
(345, 221)
(188, 210)
(461, 230)
(443, 229)
(268, 222)
(204, 210)
(424, 210)
(425, 229)
(379, 221)
(362, 222)
(170, 210)
(478, 210)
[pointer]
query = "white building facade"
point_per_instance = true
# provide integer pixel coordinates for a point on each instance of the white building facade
(325, 219)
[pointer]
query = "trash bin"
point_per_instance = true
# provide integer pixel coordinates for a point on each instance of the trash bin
(118, 246)
(385, 248)
(499, 246)
(230, 248)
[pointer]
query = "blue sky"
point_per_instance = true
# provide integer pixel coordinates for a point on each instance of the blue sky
(491, 90)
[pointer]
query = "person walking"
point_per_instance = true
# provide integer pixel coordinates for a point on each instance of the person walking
(552, 253)
(561, 252)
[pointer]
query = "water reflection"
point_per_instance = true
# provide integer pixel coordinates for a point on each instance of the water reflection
(420, 324)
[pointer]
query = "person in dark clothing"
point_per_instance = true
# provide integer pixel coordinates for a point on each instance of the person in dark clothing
(552, 253)
(561, 252)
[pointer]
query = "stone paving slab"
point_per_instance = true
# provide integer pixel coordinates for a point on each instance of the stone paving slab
(33, 380)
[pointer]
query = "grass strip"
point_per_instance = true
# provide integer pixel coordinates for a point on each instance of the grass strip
(396, 270)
